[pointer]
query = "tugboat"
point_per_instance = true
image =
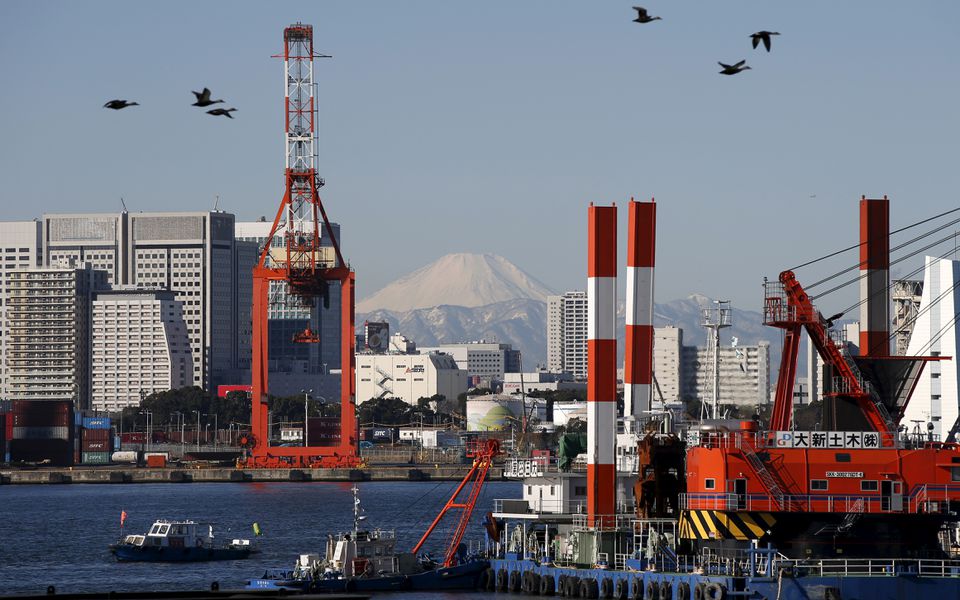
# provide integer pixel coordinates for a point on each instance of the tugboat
(178, 541)
(367, 560)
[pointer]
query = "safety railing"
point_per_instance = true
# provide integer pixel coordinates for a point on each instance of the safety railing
(932, 501)
(874, 567)
(515, 505)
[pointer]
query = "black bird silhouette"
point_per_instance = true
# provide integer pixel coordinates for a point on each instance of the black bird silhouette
(221, 112)
(118, 104)
(203, 98)
(763, 36)
(643, 16)
(733, 69)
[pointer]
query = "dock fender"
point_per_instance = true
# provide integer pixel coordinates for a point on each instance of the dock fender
(637, 589)
(606, 588)
(683, 591)
(698, 591)
(832, 593)
(571, 587)
(653, 590)
(534, 586)
(514, 582)
(620, 590)
(547, 587)
(588, 588)
(561, 585)
(350, 586)
(714, 591)
(666, 590)
(502, 580)
(482, 579)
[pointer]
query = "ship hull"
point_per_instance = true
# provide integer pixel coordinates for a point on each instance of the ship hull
(458, 578)
(683, 586)
(130, 553)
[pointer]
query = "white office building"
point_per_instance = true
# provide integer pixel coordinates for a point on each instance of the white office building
(192, 253)
(484, 362)
(567, 333)
(408, 376)
(139, 346)
(744, 374)
(48, 333)
(20, 248)
(935, 333)
(667, 354)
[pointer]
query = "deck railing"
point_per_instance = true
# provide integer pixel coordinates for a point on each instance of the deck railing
(926, 499)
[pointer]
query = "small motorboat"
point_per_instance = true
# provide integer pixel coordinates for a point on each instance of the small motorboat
(179, 541)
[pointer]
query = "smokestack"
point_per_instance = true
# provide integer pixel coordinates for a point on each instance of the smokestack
(601, 365)
(638, 362)
(874, 277)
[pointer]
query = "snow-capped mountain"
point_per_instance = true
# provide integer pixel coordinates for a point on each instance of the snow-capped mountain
(463, 280)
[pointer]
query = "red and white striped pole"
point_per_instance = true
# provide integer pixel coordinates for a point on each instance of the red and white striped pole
(874, 277)
(638, 360)
(601, 365)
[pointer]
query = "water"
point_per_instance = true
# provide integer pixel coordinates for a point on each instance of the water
(58, 534)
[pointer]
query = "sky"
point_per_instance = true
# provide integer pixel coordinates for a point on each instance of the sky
(449, 126)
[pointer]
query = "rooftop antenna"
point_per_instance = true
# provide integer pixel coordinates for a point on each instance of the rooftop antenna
(715, 318)
(123, 204)
(216, 203)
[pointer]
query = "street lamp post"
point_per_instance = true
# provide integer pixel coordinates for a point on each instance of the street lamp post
(198, 429)
(216, 430)
(146, 426)
(306, 417)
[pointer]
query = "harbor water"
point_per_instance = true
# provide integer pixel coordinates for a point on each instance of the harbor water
(59, 534)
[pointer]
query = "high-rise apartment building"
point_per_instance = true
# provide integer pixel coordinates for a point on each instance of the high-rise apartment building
(667, 354)
(139, 346)
(936, 333)
(48, 333)
(295, 366)
(567, 333)
(20, 249)
(486, 361)
(744, 374)
(193, 254)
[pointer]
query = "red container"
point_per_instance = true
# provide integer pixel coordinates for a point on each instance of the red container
(95, 446)
(96, 435)
(156, 461)
(40, 413)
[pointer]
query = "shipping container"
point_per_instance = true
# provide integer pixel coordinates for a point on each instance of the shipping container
(99, 435)
(96, 423)
(156, 461)
(95, 458)
(3, 434)
(54, 452)
(41, 433)
(383, 435)
(95, 446)
(42, 413)
(5, 406)
(133, 437)
(128, 456)
(116, 443)
(78, 419)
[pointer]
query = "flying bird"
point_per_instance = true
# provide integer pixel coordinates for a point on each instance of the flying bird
(733, 69)
(203, 98)
(118, 104)
(763, 36)
(221, 112)
(643, 16)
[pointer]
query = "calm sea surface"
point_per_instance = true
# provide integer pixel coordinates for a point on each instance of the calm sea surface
(58, 534)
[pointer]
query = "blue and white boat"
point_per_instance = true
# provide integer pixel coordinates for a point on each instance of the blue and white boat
(179, 541)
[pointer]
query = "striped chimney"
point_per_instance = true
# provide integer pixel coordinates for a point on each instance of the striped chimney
(874, 277)
(638, 362)
(601, 365)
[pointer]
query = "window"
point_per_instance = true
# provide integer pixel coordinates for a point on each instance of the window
(710, 483)
(869, 486)
(818, 485)
(580, 490)
(842, 457)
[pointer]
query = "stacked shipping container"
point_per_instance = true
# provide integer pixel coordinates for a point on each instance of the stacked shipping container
(96, 441)
(42, 432)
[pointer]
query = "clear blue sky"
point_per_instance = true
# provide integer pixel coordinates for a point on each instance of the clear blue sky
(488, 126)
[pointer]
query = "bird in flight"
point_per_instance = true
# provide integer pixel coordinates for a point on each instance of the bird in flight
(221, 112)
(733, 69)
(643, 16)
(118, 104)
(763, 36)
(203, 98)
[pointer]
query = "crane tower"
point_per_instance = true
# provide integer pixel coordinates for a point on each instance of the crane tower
(294, 256)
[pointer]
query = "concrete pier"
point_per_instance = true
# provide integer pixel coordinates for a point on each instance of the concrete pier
(176, 474)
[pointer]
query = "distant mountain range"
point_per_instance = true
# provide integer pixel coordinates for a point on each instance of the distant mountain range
(468, 297)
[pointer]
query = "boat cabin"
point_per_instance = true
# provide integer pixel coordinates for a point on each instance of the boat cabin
(174, 534)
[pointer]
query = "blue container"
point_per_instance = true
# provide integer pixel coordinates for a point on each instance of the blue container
(116, 443)
(96, 423)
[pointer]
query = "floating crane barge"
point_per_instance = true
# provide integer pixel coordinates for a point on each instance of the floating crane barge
(856, 509)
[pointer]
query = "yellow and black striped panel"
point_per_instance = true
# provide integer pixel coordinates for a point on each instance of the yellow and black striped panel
(722, 525)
